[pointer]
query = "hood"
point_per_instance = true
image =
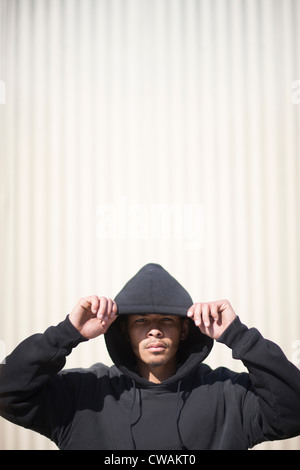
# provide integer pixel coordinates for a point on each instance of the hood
(154, 290)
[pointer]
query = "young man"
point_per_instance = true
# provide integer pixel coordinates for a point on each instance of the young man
(159, 394)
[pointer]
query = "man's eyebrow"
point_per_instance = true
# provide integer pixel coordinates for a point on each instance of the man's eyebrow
(146, 314)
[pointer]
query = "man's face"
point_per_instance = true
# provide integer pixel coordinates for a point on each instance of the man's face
(155, 338)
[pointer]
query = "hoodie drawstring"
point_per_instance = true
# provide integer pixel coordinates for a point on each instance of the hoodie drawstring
(180, 398)
(132, 423)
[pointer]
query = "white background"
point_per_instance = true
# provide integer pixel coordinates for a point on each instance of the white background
(128, 105)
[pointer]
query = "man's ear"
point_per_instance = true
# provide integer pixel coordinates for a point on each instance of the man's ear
(184, 329)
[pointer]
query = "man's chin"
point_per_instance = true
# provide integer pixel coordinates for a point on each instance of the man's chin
(156, 363)
(157, 360)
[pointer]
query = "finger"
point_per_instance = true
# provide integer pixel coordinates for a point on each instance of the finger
(110, 311)
(205, 315)
(197, 314)
(110, 314)
(214, 311)
(86, 303)
(108, 306)
(102, 308)
(115, 308)
(94, 304)
(190, 312)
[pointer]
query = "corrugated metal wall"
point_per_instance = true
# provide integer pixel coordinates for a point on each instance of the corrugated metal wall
(149, 130)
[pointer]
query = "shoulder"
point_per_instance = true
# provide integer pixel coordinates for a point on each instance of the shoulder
(222, 376)
(99, 378)
(97, 370)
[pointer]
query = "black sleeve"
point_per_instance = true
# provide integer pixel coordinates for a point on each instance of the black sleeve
(32, 393)
(275, 385)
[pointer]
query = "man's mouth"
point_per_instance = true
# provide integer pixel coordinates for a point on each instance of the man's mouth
(156, 346)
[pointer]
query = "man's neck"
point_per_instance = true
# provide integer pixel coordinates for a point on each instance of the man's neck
(157, 374)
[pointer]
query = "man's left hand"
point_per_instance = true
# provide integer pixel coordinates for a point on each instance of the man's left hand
(212, 317)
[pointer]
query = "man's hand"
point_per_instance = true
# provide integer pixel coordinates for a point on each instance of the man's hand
(93, 315)
(212, 317)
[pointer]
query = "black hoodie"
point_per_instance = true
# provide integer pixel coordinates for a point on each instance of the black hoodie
(114, 408)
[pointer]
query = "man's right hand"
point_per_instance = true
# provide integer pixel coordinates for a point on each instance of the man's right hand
(93, 315)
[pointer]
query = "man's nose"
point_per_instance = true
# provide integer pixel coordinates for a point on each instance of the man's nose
(155, 332)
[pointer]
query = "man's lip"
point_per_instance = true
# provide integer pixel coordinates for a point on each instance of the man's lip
(156, 345)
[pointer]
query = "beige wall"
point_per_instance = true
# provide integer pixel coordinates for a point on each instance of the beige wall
(149, 130)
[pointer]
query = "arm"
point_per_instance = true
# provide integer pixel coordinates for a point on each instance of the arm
(276, 384)
(32, 393)
(26, 378)
(271, 406)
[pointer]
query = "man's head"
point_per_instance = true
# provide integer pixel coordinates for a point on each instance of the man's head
(152, 313)
(155, 340)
